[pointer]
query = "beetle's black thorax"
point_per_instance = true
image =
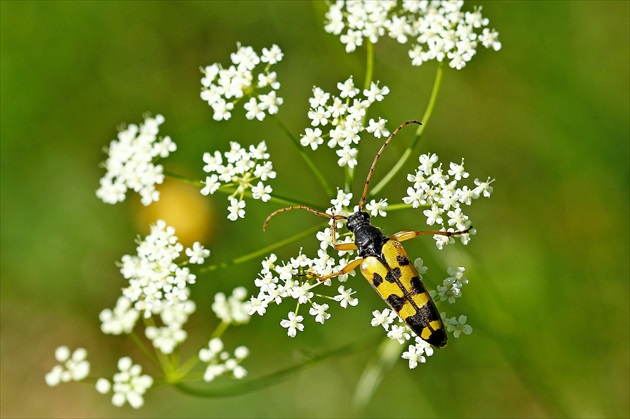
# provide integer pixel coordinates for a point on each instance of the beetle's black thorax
(369, 239)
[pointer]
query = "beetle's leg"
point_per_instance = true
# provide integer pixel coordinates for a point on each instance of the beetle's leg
(340, 246)
(349, 267)
(345, 246)
(401, 236)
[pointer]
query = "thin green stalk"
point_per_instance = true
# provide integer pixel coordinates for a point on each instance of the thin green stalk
(388, 353)
(260, 252)
(265, 381)
(318, 174)
(192, 362)
(369, 65)
(188, 366)
(164, 360)
(349, 177)
(184, 179)
(144, 349)
(229, 190)
(369, 74)
(399, 206)
(419, 133)
(221, 328)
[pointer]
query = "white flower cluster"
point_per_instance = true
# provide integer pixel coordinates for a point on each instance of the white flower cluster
(399, 331)
(451, 287)
(435, 30)
(344, 115)
(223, 87)
(233, 309)
(166, 338)
(457, 326)
(440, 192)
(121, 319)
(72, 366)
(156, 281)
(237, 171)
(131, 162)
(278, 281)
(289, 280)
(129, 384)
(219, 361)
(157, 286)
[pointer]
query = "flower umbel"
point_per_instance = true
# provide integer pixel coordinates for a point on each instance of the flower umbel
(120, 319)
(129, 385)
(435, 30)
(131, 162)
(342, 119)
(451, 288)
(72, 366)
(166, 338)
(237, 172)
(156, 280)
(222, 87)
(457, 325)
(233, 309)
(219, 362)
(441, 194)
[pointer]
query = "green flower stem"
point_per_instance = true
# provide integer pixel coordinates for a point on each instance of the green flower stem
(261, 252)
(349, 177)
(183, 178)
(229, 190)
(186, 367)
(388, 353)
(221, 328)
(419, 132)
(192, 362)
(369, 65)
(318, 174)
(400, 206)
(265, 381)
(369, 74)
(167, 364)
(145, 350)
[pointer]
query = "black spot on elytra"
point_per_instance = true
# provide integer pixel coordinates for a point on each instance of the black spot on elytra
(429, 312)
(377, 279)
(393, 275)
(396, 302)
(402, 261)
(416, 323)
(417, 287)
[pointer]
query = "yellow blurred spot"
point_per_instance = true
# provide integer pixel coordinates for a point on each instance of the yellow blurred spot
(182, 207)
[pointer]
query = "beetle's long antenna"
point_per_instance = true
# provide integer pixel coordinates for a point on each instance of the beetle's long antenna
(302, 207)
(378, 155)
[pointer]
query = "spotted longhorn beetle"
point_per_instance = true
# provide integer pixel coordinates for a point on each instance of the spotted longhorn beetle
(385, 264)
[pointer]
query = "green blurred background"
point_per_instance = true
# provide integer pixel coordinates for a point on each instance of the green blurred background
(547, 116)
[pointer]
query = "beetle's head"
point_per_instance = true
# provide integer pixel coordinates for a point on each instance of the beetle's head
(357, 220)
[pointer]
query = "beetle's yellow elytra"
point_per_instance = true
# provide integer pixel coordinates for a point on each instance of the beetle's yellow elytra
(398, 283)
